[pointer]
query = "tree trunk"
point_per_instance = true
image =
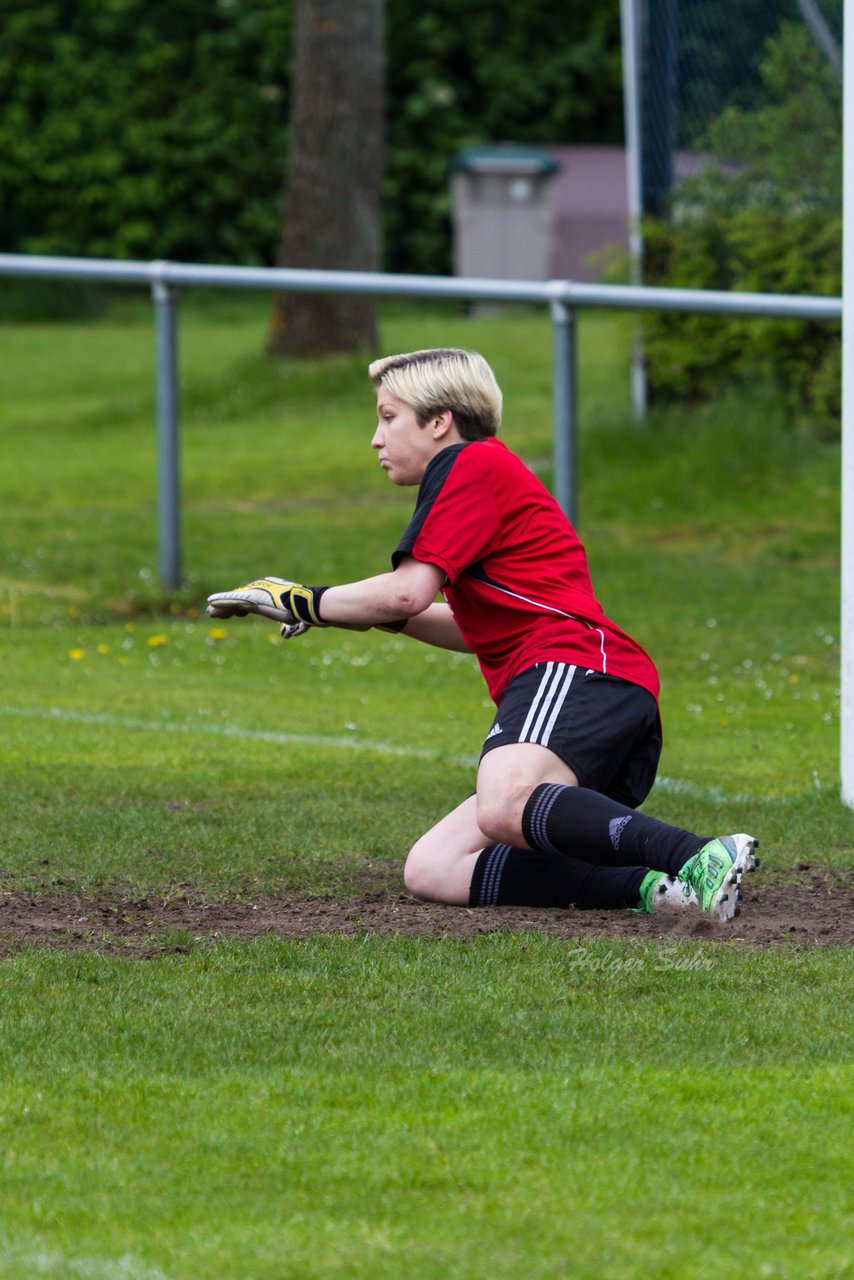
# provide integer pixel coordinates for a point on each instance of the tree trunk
(333, 188)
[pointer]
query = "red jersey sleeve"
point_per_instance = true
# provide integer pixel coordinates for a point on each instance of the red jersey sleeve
(457, 517)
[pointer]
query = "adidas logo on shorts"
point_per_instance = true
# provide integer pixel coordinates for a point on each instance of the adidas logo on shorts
(494, 731)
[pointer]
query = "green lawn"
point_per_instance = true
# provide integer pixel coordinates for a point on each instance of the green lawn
(379, 1107)
(512, 1105)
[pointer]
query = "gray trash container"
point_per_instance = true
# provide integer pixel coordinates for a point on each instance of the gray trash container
(503, 212)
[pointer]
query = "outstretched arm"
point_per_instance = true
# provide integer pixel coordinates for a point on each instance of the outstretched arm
(400, 595)
(402, 601)
(384, 599)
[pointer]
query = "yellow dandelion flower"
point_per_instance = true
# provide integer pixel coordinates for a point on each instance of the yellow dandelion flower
(217, 633)
(103, 648)
(156, 642)
(77, 655)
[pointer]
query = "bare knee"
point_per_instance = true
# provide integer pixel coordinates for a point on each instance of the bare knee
(418, 875)
(439, 865)
(431, 874)
(506, 779)
(440, 873)
(499, 816)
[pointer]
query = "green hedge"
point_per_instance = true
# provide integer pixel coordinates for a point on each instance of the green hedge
(766, 218)
(143, 128)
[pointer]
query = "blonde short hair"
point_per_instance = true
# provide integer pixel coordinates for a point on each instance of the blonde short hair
(442, 379)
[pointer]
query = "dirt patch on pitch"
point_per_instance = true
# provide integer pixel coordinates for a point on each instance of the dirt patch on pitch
(812, 908)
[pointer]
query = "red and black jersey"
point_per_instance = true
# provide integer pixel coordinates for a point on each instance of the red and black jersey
(516, 573)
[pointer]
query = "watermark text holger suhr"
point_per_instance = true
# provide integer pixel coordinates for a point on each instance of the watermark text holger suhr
(664, 961)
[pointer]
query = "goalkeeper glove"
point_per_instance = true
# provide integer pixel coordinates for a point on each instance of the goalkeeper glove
(287, 602)
(289, 631)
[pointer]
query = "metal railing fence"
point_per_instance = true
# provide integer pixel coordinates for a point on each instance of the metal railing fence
(564, 298)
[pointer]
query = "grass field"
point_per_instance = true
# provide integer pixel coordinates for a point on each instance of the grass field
(508, 1105)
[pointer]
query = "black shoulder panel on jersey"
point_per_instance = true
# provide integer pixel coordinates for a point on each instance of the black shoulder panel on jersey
(437, 472)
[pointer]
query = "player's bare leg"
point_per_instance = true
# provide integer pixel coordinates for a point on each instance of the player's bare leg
(440, 865)
(505, 780)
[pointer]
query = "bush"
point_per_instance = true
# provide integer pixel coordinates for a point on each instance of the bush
(766, 217)
(23, 299)
(143, 128)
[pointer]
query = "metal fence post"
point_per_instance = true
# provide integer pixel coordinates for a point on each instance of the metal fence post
(565, 408)
(168, 463)
(631, 12)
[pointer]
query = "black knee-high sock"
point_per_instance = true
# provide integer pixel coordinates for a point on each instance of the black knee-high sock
(587, 825)
(504, 876)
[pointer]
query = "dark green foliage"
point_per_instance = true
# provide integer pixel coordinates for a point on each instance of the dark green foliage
(720, 50)
(143, 128)
(158, 128)
(768, 219)
(23, 299)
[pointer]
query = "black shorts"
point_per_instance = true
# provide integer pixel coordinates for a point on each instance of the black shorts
(606, 729)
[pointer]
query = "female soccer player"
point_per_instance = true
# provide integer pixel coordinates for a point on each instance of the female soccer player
(576, 739)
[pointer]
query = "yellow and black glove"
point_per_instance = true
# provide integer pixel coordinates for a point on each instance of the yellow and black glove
(290, 603)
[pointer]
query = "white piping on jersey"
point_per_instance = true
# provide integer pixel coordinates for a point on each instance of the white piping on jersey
(546, 704)
(561, 613)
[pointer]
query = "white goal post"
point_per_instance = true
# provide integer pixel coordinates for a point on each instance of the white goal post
(846, 709)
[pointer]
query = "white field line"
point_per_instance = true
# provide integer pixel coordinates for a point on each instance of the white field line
(109, 721)
(106, 720)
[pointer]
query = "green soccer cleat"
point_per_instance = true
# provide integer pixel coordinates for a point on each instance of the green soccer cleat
(715, 873)
(661, 892)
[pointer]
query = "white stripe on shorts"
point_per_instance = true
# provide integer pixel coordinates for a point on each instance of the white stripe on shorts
(546, 704)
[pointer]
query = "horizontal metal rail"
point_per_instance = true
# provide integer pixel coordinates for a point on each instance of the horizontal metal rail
(563, 298)
(290, 280)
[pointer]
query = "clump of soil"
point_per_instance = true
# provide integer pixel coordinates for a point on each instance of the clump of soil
(817, 909)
